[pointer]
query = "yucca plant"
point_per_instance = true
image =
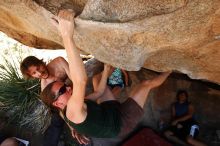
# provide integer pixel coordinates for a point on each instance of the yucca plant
(19, 98)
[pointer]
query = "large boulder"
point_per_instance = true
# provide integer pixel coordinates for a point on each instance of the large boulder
(159, 35)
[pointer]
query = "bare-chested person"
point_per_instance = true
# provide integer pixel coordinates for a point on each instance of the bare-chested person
(55, 70)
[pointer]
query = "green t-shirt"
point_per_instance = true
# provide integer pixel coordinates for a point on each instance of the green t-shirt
(101, 121)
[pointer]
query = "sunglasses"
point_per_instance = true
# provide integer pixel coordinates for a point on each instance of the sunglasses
(61, 91)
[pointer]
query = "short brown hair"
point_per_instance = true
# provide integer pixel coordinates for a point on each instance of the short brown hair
(47, 95)
(30, 61)
(179, 92)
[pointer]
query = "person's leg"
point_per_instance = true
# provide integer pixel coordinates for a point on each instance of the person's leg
(194, 142)
(170, 136)
(141, 91)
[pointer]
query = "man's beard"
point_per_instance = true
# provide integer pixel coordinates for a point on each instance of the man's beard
(45, 74)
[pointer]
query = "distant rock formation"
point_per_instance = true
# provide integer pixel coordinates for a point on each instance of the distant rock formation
(160, 35)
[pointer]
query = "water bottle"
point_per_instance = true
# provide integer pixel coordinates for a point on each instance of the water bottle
(194, 130)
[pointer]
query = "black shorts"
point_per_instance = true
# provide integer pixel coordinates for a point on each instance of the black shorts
(188, 128)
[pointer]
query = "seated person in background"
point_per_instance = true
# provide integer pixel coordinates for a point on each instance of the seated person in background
(107, 119)
(184, 127)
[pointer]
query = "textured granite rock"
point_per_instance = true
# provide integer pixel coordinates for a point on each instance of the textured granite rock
(159, 35)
